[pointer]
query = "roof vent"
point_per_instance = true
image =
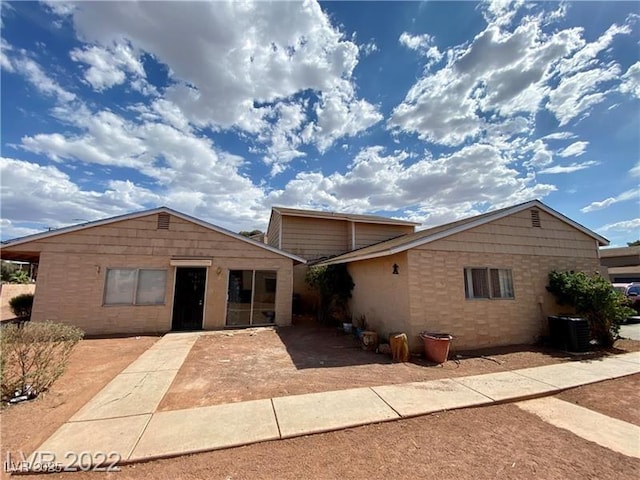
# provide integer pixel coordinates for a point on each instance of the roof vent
(535, 218)
(163, 221)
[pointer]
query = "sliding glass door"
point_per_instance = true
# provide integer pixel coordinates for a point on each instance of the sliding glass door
(251, 297)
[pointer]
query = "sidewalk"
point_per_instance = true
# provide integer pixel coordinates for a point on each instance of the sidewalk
(122, 417)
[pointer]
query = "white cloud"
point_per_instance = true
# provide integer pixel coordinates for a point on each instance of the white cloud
(368, 48)
(576, 95)
(574, 167)
(541, 155)
(439, 109)
(631, 81)
(635, 171)
(506, 71)
(574, 150)
(630, 226)
(225, 57)
(34, 74)
(5, 63)
(501, 12)
(607, 202)
(424, 44)
(340, 114)
(430, 190)
(47, 195)
(559, 136)
(184, 169)
(11, 229)
(108, 67)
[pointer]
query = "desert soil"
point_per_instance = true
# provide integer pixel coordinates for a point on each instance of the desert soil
(240, 365)
(493, 442)
(617, 398)
(496, 442)
(93, 364)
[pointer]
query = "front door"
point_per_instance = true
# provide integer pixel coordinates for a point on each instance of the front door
(188, 298)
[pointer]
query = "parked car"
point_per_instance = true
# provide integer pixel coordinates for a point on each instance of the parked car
(631, 291)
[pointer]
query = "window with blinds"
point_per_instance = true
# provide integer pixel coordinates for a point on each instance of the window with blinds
(489, 283)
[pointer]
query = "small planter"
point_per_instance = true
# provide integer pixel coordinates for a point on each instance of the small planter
(436, 346)
(369, 341)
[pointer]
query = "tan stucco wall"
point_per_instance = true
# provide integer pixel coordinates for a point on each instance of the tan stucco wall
(380, 295)
(315, 238)
(72, 272)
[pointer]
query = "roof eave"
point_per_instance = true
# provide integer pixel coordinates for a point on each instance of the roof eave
(144, 213)
(339, 216)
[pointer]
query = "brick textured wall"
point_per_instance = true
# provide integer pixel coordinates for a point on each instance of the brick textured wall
(438, 302)
(436, 283)
(72, 272)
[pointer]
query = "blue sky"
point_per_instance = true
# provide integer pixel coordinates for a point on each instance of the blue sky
(427, 111)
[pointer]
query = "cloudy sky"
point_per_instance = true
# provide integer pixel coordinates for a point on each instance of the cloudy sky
(427, 111)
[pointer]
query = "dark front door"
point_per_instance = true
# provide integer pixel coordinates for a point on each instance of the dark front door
(188, 299)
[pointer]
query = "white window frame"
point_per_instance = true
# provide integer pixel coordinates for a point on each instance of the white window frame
(468, 283)
(135, 288)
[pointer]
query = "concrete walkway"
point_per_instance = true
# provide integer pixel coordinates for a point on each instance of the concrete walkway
(122, 417)
(617, 435)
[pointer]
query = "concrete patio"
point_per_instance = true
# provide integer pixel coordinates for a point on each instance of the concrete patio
(122, 418)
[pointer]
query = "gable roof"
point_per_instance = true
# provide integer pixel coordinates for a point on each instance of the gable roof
(144, 213)
(405, 242)
(351, 217)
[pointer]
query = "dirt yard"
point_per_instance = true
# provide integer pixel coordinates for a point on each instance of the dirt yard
(493, 442)
(93, 363)
(234, 366)
(496, 442)
(618, 398)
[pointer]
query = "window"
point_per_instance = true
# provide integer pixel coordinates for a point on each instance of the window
(251, 297)
(133, 286)
(488, 283)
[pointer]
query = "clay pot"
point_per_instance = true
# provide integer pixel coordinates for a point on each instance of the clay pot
(436, 346)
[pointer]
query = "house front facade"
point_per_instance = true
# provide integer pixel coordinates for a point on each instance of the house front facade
(153, 272)
(481, 279)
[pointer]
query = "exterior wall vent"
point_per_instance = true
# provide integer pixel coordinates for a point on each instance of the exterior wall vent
(535, 218)
(163, 221)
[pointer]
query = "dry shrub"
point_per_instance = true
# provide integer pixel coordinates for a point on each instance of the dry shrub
(34, 355)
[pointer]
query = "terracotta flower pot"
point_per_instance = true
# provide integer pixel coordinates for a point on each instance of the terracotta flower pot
(436, 346)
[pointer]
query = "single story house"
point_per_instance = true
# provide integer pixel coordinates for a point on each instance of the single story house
(481, 279)
(156, 271)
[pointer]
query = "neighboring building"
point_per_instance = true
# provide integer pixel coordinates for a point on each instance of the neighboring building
(314, 235)
(155, 271)
(481, 279)
(622, 264)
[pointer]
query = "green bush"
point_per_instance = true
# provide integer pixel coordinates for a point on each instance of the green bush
(34, 355)
(593, 297)
(21, 305)
(19, 276)
(334, 284)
